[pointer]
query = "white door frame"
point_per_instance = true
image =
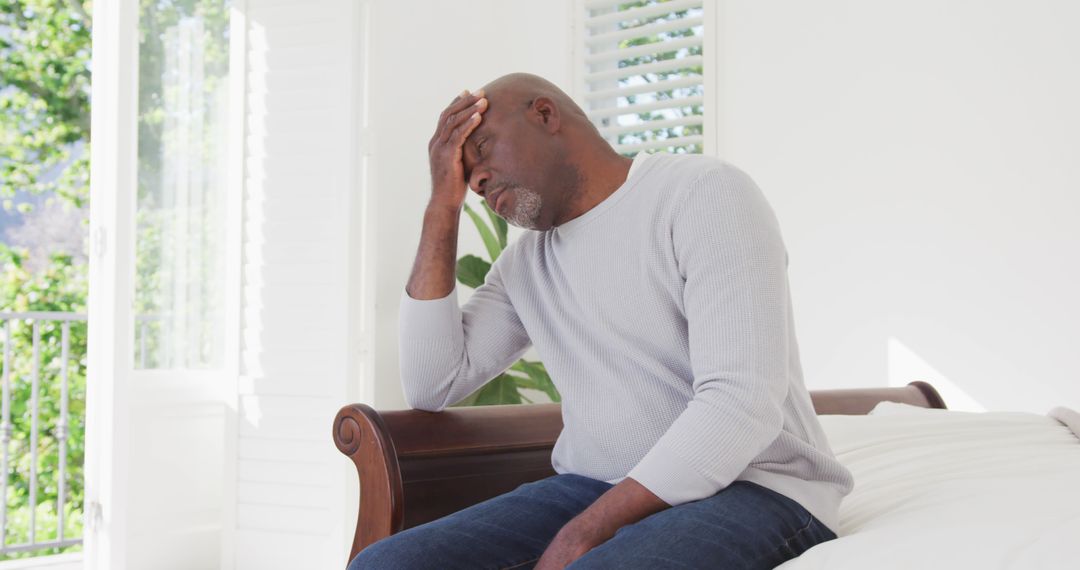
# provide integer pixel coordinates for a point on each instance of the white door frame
(114, 387)
(114, 92)
(714, 68)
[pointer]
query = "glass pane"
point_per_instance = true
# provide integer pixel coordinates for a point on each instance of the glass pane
(662, 111)
(182, 176)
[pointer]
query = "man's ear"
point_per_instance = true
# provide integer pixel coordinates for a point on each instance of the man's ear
(546, 113)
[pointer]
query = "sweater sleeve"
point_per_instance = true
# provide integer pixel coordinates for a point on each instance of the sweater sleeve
(446, 352)
(729, 251)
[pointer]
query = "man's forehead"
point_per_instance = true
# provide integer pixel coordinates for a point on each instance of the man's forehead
(490, 120)
(483, 129)
(494, 116)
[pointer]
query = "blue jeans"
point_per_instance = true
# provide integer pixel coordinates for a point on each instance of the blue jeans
(744, 525)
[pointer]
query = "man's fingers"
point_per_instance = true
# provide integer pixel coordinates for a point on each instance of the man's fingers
(452, 118)
(461, 132)
(463, 116)
(461, 102)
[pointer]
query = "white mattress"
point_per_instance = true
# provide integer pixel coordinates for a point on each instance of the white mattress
(948, 489)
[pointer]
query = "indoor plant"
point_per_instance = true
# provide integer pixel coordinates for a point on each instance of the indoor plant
(471, 271)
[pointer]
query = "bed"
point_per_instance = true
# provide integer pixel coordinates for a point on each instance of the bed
(934, 488)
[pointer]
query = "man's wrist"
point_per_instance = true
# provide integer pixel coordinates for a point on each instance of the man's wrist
(624, 504)
(441, 207)
(587, 531)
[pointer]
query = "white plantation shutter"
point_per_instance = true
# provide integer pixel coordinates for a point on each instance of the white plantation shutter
(640, 72)
(288, 488)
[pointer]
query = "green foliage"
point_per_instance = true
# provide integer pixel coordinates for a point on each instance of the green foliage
(44, 98)
(44, 148)
(471, 272)
(493, 244)
(61, 287)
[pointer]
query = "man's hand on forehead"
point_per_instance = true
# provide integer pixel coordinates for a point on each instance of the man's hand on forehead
(445, 149)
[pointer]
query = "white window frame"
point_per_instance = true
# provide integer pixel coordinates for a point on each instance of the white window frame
(713, 22)
(114, 89)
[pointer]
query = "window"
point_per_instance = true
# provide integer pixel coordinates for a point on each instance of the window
(180, 232)
(640, 73)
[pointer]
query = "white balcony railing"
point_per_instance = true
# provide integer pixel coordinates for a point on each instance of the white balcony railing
(40, 370)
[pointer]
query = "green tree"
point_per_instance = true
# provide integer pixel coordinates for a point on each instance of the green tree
(61, 287)
(44, 99)
(44, 149)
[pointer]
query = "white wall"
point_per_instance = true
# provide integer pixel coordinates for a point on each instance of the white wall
(922, 157)
(464, 45)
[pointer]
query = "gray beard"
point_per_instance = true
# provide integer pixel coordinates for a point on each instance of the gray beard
(526, 208)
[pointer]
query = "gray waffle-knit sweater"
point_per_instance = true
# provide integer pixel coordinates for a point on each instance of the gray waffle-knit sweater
(663, 317)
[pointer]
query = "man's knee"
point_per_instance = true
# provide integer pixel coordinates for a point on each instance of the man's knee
(367, 558)
(381, 554)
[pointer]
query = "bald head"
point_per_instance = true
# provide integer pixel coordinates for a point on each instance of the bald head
(520, 89)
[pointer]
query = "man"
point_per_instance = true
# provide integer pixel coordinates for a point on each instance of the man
(655, 290)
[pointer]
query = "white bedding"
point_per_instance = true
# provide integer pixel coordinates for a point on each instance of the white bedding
(949, 489)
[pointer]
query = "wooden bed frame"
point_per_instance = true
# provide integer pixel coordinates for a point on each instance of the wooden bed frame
(416, 466)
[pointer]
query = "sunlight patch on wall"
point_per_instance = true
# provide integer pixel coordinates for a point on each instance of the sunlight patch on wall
(251, 410)
(255, 179)
(905, 366)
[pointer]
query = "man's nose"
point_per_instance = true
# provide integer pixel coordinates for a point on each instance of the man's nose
(479, 183)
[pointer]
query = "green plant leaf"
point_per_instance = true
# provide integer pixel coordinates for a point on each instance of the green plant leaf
(501, 390)
(490, 241)
(526, 382)
(539, 376)
(498, 223)
(472, 270)
(469, 400)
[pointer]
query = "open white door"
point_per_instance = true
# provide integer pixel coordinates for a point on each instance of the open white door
(159, 356)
